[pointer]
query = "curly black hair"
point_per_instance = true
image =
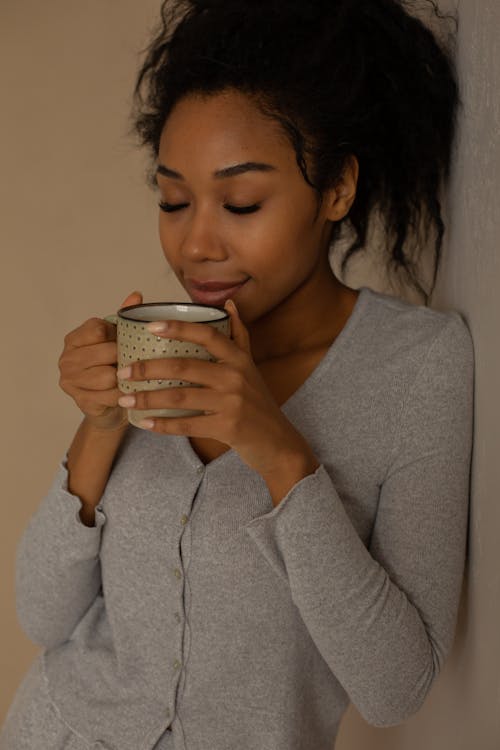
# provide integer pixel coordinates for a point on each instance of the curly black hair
(362, 77)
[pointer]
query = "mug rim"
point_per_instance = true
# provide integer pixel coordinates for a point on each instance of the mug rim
(224, 313)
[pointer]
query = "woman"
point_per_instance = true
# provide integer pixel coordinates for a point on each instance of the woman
(234, 579)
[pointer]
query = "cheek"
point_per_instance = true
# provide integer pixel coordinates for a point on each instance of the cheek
(267, 238)
(278, 245)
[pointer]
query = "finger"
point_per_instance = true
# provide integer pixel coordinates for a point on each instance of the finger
(201, 426)
(202, 399)
(93, 331)
(210, 374)
(92, 402)
(220, 346)
(100, 378)
(96, 329)
(135, 298)
(92, 355)
(88, 399)
(239, 332)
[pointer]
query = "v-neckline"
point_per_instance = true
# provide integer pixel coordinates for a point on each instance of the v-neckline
(332, 352)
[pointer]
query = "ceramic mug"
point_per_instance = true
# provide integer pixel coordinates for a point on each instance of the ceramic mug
(135, 342)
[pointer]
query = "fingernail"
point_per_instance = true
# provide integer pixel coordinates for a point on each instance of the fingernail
(157, 327)
(127, 401)
(147, 424)
(124, 373)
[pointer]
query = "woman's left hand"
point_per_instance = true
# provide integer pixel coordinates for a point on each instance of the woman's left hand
(240, 410)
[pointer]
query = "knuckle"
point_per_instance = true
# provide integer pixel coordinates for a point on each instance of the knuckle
(178, 366)
(211, 333)
(236, 379)
(93, 326)
(65, 357)
(139, 368)
(110, 379)
(68, 339)
(236, 410)
(178, 395)
(66, 363)
(100, 330)
(65, 376)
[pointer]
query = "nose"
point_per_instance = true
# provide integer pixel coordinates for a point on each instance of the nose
(202, 240)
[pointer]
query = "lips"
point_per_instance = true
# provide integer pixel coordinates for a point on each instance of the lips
(213, 292)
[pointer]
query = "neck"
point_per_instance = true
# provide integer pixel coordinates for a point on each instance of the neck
(311, 318)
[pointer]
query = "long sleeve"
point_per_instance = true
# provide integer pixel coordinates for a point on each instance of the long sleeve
(57, 565)
(383, 617)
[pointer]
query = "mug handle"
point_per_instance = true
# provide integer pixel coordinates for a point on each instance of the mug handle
(111, 319)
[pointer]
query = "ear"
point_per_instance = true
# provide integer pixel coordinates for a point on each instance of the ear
(340, 198)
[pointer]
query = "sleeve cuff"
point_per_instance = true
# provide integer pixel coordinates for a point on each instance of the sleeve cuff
(62, 508)
(308, 505)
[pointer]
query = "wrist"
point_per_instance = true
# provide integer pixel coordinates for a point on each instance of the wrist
(107, 425)
(291, 469)
(87, 514)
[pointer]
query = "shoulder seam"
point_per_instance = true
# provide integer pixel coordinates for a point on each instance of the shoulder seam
(402, 305)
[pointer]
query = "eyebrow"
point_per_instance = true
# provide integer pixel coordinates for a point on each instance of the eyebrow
(222, 174)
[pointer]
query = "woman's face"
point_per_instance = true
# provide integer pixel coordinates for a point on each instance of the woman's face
(278, 246)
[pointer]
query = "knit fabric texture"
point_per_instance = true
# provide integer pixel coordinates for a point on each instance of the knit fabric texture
(196, 615)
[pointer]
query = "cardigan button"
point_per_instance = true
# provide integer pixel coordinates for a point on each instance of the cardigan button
(184, 520)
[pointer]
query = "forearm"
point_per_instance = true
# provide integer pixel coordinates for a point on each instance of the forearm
(57, 564)
(90, 459)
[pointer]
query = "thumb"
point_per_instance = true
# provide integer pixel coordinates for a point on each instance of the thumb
(239, 332)
(133, 299)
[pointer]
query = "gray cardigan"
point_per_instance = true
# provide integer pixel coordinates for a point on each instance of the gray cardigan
(198, 615)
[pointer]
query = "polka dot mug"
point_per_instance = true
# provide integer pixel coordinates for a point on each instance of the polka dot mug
(135, 342)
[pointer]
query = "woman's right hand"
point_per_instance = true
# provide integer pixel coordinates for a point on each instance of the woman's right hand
(88, 367)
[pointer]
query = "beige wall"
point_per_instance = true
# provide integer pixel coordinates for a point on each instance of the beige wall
(75, 208)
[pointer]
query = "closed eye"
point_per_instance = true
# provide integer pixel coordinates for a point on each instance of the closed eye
(170, 208)
(243, 209)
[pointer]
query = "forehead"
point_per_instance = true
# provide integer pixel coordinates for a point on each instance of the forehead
(224, 125)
